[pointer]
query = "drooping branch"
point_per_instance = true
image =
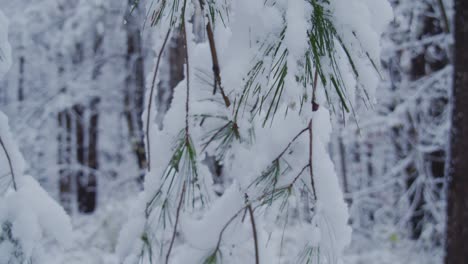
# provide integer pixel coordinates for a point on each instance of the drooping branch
(174, 233)
(187, 132)
(216, 67)
(10, 164)
(220, 236)
(153, 85)
(254, 231)
(214, 57)
(249, 207)
(187, 72)
(315, 108)
(290, 143)
(299, 174)
(445, 19)
(311, 161)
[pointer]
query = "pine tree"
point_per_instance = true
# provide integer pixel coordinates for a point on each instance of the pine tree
(257, 96)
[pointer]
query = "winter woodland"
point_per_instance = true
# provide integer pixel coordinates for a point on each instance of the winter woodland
(221, 131)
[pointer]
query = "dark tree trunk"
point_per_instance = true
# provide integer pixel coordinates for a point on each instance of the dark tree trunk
(343, 167)
(21, 79)
(457, 212)
(174, 61)
(86, 130)
(80, 156)
(370, 174)
(134, 91)
(87, 180)
(64, 155)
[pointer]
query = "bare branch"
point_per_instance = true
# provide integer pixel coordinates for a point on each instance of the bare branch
(174, 233)
(12, 172)
(311, 160)
(299, 174)
(254, 230)
(290, 143)
(187, 77)
(153, 85)
(315, 106)
(214, 57)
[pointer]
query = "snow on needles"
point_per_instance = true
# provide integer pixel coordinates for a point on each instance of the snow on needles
(260, 125)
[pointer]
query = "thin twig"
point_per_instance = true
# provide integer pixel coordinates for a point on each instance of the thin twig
(187, 105)
(299, 174)
(444, 16)
(215, 135)
(220, 236)
(150, 102)
(187, 71)
(174, 233)
(254, 230)
(290, 143)
(250, 203)
(214, 57)
(216, 68)
(311, 160)
(315, 106)
(9, 164)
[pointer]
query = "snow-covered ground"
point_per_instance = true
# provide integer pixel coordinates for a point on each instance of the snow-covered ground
(364, 251)
(96, 237)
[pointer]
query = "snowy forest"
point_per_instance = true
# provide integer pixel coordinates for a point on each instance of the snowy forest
(233, 131)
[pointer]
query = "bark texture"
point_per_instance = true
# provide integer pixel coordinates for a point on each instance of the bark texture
(457, 220)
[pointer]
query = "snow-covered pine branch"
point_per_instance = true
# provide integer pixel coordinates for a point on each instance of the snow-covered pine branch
(257, 95)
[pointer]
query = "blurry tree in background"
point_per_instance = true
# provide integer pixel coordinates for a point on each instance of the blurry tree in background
(457, 228)
(392, 161)
(75, 96)
(134, 89)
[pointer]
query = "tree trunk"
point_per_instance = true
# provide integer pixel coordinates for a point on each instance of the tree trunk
(343, 168)
(87, 180)
(457, 204)
(87, 143)
(134, 91)
(64, 155)
(80, 171)
(21, 79)
(173, 65)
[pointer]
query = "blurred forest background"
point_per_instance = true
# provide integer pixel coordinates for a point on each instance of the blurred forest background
(75, 93)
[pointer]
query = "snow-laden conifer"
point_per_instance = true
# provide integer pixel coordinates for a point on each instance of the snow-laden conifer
(258, 96)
